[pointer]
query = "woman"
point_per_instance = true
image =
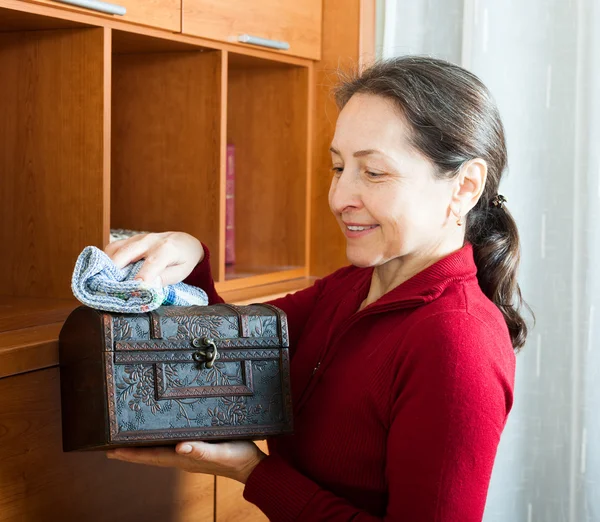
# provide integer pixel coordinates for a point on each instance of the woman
(403, 362)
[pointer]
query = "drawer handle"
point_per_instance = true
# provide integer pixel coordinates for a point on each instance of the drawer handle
(263, 42)
(96, 5)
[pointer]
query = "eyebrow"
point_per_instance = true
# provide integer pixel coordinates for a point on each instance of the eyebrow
(358, 153)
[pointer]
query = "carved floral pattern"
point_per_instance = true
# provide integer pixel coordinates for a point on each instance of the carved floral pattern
(138, 408)
(135, 394)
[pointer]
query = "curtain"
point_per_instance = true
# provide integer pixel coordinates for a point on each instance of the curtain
(541, 61)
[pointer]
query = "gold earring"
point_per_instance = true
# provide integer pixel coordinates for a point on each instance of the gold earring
(459, 221)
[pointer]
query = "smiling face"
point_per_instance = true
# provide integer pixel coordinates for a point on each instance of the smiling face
(383, 193)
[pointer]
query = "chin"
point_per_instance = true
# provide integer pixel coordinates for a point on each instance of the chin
(360, 258)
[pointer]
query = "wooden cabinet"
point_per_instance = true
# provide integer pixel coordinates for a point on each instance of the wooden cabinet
(112, 125)
(268, 22)
(165, 14)
(108, 124)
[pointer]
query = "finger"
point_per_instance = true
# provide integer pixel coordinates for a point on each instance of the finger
(131, 250)
(153, 267)
(164, 457)
(113, 246)
(196, 450)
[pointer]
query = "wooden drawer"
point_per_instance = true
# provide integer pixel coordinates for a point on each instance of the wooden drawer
(297, 23)
(164, 14)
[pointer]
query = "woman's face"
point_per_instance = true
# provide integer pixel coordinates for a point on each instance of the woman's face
(383, 192)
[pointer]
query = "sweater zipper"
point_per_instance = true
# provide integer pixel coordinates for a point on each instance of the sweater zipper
(349, 322)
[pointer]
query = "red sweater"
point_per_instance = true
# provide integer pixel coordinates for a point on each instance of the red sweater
(398, 408)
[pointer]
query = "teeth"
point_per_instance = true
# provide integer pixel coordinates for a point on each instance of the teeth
(357, 229)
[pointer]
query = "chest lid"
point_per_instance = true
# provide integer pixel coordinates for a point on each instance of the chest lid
(184, 327)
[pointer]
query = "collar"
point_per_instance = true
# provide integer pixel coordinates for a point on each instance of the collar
(428, 284)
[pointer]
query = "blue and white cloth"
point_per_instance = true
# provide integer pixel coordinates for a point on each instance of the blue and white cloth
(98, 283)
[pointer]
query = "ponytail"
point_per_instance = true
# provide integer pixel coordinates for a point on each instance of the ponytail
(493, 233)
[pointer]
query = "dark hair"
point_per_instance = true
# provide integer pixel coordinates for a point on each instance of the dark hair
(453, 120)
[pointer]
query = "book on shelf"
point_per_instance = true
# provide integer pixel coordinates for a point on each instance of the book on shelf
(230, 206)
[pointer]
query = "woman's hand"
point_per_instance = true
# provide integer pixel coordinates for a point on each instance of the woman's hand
(234, 460)
(170, 256)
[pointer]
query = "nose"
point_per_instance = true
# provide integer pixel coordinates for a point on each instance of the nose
(344, 193)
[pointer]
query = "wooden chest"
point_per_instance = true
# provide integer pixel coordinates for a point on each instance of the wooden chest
(217, 372)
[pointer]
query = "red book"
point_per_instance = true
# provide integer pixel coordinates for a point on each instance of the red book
(230, 207)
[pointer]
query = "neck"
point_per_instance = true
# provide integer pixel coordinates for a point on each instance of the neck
(396, 271)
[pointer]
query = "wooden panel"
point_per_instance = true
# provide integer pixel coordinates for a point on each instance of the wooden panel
(367, 32)
(348, 40)
(267, 123)
(231, 505)
(16, 20)
(298, 23)
(19, 15)
(29, 349)
(263, 293)
(129, 42)
(166, 144)
(51, 156)
(40, 482)
(165, 14)
(18, 312)
(249, 281)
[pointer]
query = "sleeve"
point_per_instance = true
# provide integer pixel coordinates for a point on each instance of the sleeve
(297, 306)
(451, 396)
(201, 277)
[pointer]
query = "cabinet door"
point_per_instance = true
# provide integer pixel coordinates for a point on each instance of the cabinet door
(40, 482)
(164, 14)
(296, 24)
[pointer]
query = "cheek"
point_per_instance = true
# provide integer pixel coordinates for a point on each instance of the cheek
(406, 215)
(389, 208)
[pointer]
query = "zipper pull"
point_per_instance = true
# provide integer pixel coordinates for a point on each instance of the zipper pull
(316, 368)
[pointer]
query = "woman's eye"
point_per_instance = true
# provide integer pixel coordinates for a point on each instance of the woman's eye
(374, 175)
(337, 170)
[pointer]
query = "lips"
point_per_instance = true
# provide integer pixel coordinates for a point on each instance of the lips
(359, 229)
(355, 227)
(354, 230)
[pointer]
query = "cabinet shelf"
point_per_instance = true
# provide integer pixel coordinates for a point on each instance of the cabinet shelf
(267, 125)
(166, 139)
(29, 327)
(239, 277)
(17, 313)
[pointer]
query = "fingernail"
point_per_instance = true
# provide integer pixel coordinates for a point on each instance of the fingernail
(138, 279)
(186, 448)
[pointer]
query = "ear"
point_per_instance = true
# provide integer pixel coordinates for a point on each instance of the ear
(468, 186)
